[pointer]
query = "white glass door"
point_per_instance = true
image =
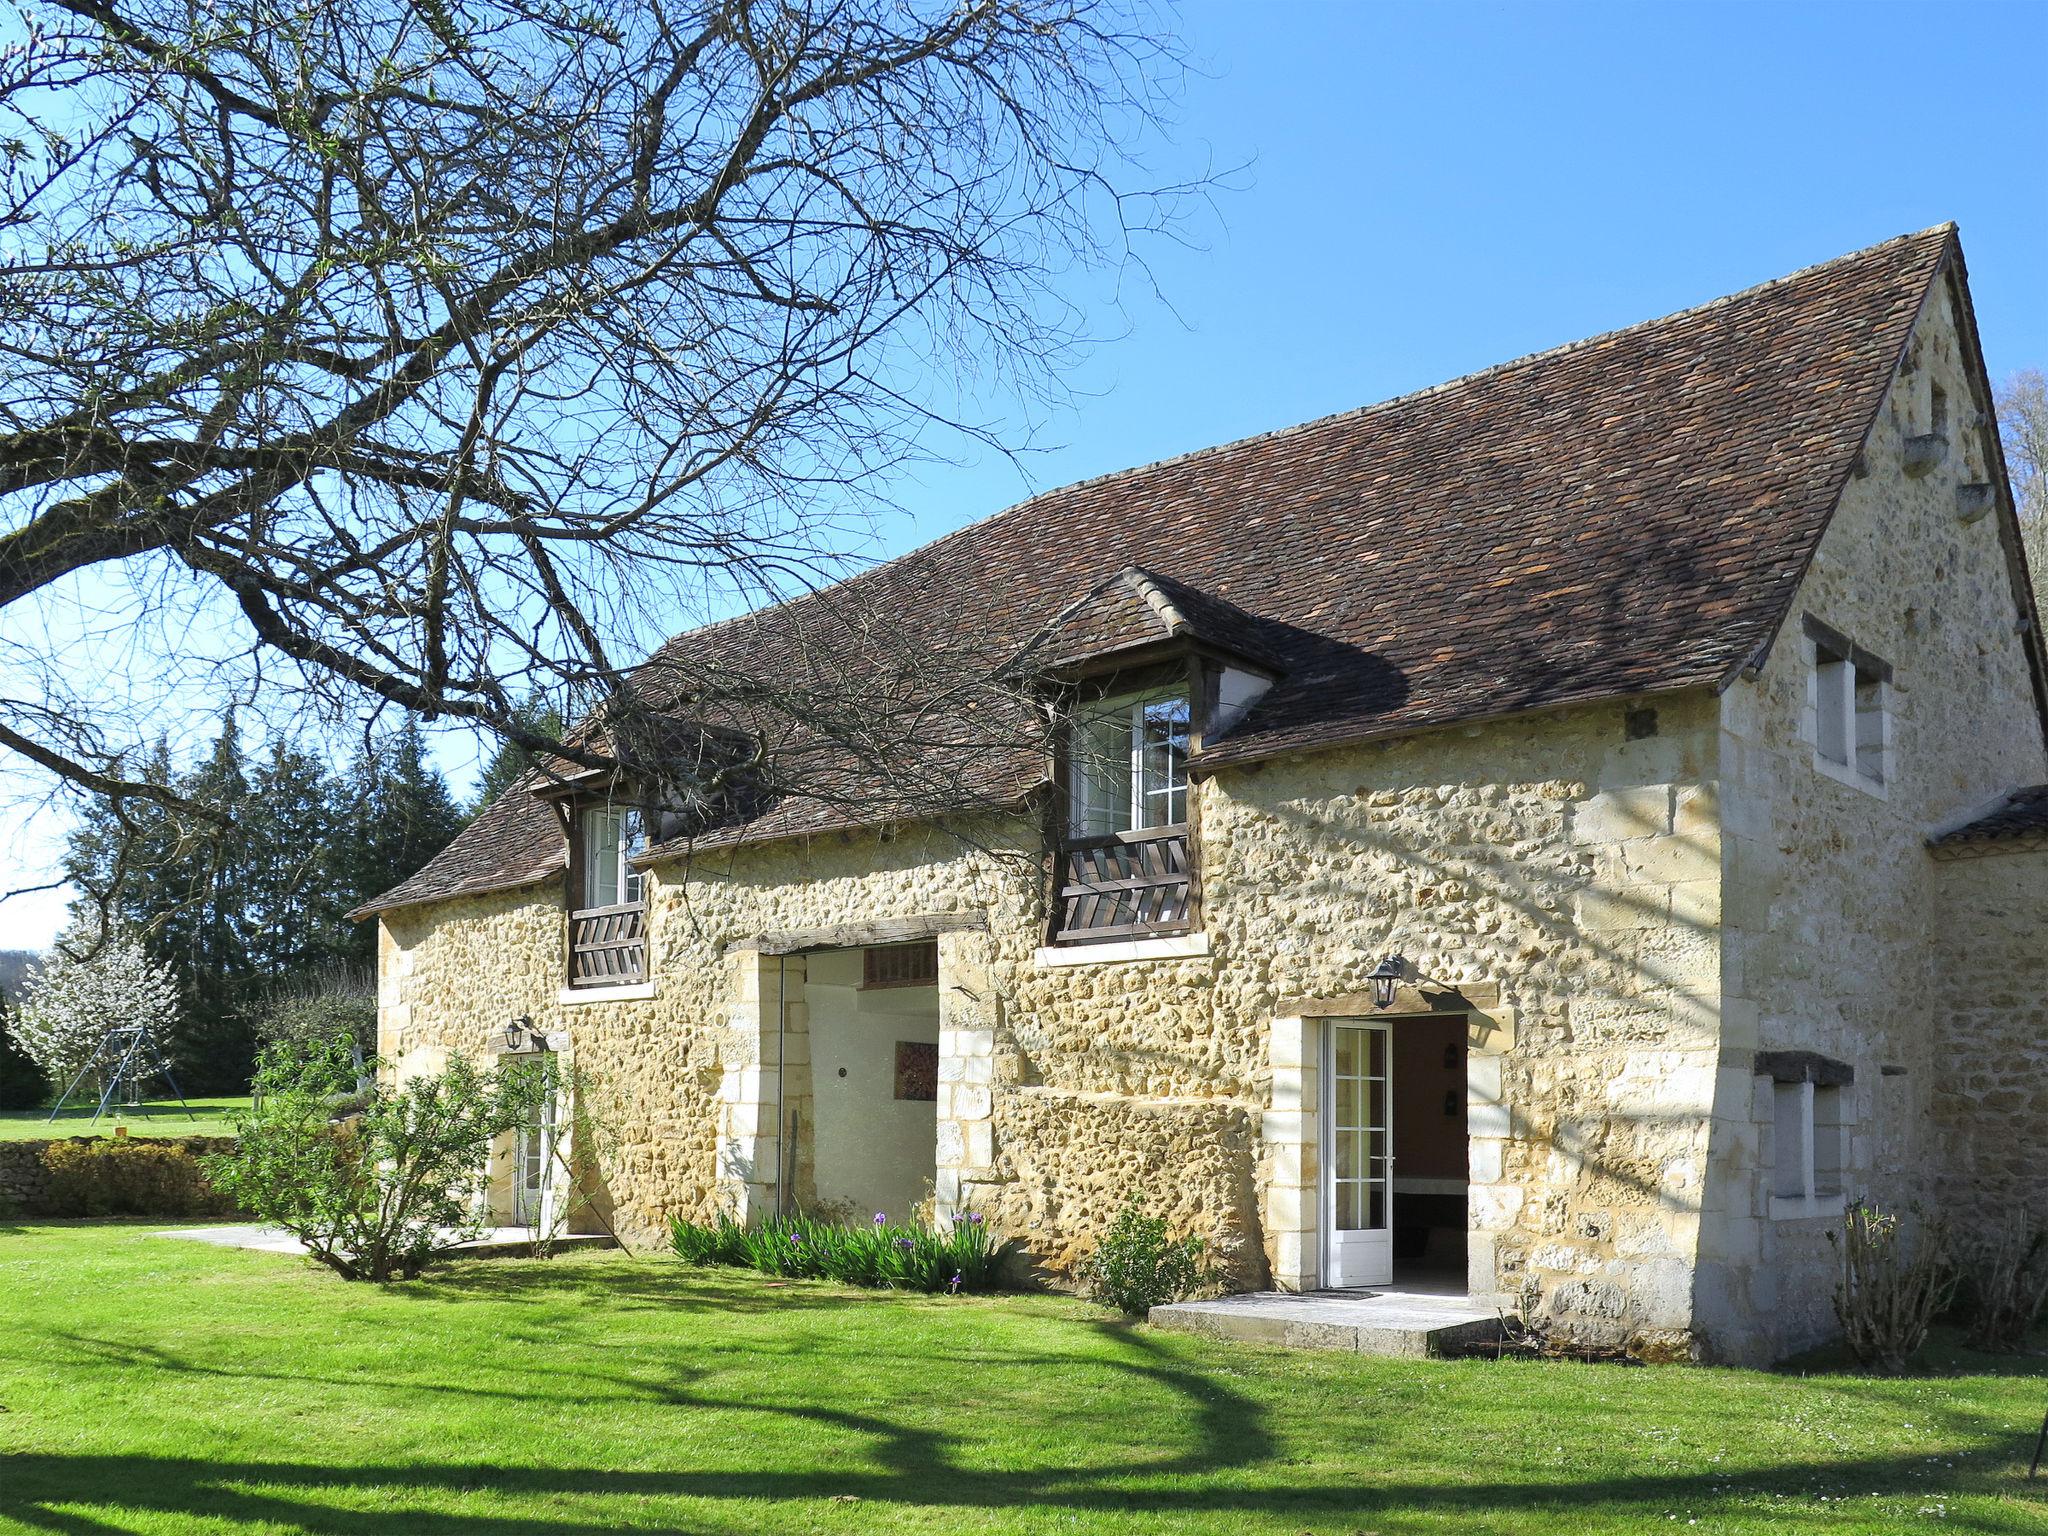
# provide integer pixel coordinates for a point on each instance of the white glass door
(532, 1153)
(1358, 1156)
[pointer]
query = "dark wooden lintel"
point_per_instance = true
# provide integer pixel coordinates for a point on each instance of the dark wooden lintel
(881, 930)
(1804, 1067)
(1473, 997)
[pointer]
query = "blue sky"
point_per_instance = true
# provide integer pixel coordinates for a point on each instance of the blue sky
(1435, 188)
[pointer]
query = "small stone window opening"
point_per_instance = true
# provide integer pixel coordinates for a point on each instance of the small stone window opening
(1807, 1154)
(1851, 712)
(1938, 411)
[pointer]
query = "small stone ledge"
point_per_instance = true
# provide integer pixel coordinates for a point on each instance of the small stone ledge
(1463, 998)
(1808, 1207)
(1186, 946)
(634, 992)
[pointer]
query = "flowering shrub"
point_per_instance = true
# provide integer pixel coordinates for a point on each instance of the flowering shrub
(912, 1257)
(1137, 1267)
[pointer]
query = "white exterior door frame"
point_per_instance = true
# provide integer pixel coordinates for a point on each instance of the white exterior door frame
(1357, 1119)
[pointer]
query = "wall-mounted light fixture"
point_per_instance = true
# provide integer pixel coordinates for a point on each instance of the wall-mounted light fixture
(1385, 977)
(519, 1032)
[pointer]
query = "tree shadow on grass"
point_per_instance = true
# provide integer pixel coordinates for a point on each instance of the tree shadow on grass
(1224, 1460)
(44, 1492)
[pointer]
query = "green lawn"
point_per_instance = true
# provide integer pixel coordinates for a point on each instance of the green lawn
(210, 1117)
(153, 1385)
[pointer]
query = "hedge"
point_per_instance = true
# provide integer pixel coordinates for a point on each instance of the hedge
(115, 1176)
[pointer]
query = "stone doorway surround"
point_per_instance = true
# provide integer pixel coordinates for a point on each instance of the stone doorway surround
(1291, 1126)
(766, 1062)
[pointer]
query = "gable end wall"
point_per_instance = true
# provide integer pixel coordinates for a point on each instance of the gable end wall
(1839, 930)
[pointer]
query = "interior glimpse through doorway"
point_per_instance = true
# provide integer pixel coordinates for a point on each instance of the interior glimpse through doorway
(1430, 1219)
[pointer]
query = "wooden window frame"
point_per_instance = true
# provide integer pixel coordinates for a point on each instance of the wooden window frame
(877, 973)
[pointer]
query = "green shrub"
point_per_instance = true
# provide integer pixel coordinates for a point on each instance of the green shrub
(123, 1177)
(882, 1254)
(1137, 1267)
(2006, 1284)
(382, 1195)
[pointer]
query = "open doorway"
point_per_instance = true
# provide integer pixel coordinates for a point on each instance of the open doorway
(1394, 1196)
(874, 1045)
(1430, 1218)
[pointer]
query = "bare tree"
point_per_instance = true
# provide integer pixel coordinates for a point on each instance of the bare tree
(2023, 429)
(441, 350)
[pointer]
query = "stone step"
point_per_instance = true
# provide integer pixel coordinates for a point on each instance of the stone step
(1365, 1322)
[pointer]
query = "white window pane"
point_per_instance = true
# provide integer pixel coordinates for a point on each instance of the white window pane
(1162, 727)
(632, 840)
(1100, 771)
(1870, 727)
(601, 831)
(1792, 1155)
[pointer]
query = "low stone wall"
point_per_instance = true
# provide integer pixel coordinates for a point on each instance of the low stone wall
(27, 1187)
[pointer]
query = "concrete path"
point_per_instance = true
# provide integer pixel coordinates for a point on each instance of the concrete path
(1366, 1322)
(496, 1243)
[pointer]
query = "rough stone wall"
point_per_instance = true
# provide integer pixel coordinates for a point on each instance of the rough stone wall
(1831, 906)
(1990, 1105)
(1570, 859)
(660, 1072)
(1573, 863)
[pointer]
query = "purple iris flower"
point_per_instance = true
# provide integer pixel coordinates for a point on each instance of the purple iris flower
(955, 1286)
(906, 1244)
(974, 1218)
(796, 1237)
(881, 1218)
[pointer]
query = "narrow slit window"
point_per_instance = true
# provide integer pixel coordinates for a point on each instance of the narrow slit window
(1851, 710)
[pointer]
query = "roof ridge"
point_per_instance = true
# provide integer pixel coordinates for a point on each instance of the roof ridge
(1946, 228)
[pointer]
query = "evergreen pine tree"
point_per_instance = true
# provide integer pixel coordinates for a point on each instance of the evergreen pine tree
(22, 1084)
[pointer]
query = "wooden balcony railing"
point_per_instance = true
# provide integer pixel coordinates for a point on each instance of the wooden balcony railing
(608, 945)
(1125, 885)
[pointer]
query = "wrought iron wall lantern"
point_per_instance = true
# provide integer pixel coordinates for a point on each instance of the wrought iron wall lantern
(1385, 977)
(521, 1036)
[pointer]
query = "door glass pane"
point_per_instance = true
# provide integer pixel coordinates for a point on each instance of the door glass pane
(1347, 1052)
(1376, 1102)
(1350, 1208)
(1376, 1212)
(1350, 1155)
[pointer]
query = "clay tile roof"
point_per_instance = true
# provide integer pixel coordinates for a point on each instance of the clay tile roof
(1624, 515)
(2021, 816)
(1135, 608)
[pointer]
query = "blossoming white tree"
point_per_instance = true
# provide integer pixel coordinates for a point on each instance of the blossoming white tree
(76, 996)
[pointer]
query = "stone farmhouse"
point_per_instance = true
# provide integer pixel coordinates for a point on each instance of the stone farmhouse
(1559, 835)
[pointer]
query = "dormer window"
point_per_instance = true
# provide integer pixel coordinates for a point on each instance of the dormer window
(611, 837)
(1124, 866)
(608, 919)
(1129, 765)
